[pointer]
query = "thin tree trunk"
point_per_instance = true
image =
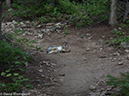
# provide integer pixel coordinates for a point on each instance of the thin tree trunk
(113, 17)
(8, 3)
(0, 19)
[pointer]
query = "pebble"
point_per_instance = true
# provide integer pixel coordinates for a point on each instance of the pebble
(110, 58)
(90, 37)
(88, 49)
(126, 50)
(103, 36)
(116, 54)
(92, 87)
(100, 40)
(88, 34)
(41, 70)
(101, 49)
(120, 63)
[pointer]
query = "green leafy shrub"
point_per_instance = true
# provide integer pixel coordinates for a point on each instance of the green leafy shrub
(118, 37)
(122, 83)
(78, 14)
(12, 61)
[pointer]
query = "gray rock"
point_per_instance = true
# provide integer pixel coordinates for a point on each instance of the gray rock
(103, 36)
(27, 22)
(92, 87)
(100, 40)
(88, 34)
(124, 45)
(120, 63)
(88, 49)
(101, 49)
(41, 70)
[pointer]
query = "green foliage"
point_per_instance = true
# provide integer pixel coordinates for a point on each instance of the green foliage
(12, 61)
(122, 83)
(86, 13)
(118, 37)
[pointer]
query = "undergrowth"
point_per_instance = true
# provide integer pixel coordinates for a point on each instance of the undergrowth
(12, 65)
(85, 13)
(122, 83)
(119, 36)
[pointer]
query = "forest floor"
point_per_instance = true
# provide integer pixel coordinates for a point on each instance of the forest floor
(81, 72)
(88, 63)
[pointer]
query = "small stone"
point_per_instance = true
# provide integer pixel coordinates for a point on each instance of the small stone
(101, 49)
(62, 74)
(116, 54)
(55, 80)
(120, 63)
(40, 36)
(53, 64)
(40, 70)
(27, 22)
(26, 64)
(103, 36)
(58, 31)
(115, 29)
(39, 26)
(88, 34)
(21, 23)
(89, 37)
(119, 28)
(49, 24)
(92, 87)
(100, 40)
(42, 75)
(58, 24)
(115, 59)
(126, 50)
(88, 49)
(110, 58)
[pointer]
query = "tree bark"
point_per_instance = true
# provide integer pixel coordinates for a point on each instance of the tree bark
(0, 19)
(113, 17)
(8, 3)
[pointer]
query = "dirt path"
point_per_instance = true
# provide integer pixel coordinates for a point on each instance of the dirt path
(89, 61)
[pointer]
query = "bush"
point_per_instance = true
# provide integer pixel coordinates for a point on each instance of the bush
(122, 83)
(12, 61)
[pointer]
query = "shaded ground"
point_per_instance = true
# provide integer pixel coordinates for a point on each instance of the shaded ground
(89, 61)
(71, 74)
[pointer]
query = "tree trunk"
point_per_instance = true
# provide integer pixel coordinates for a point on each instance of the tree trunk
(113, 18)
(8, 3)
(0, 19)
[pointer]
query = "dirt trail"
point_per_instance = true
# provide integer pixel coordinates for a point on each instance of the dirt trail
(88, 62)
